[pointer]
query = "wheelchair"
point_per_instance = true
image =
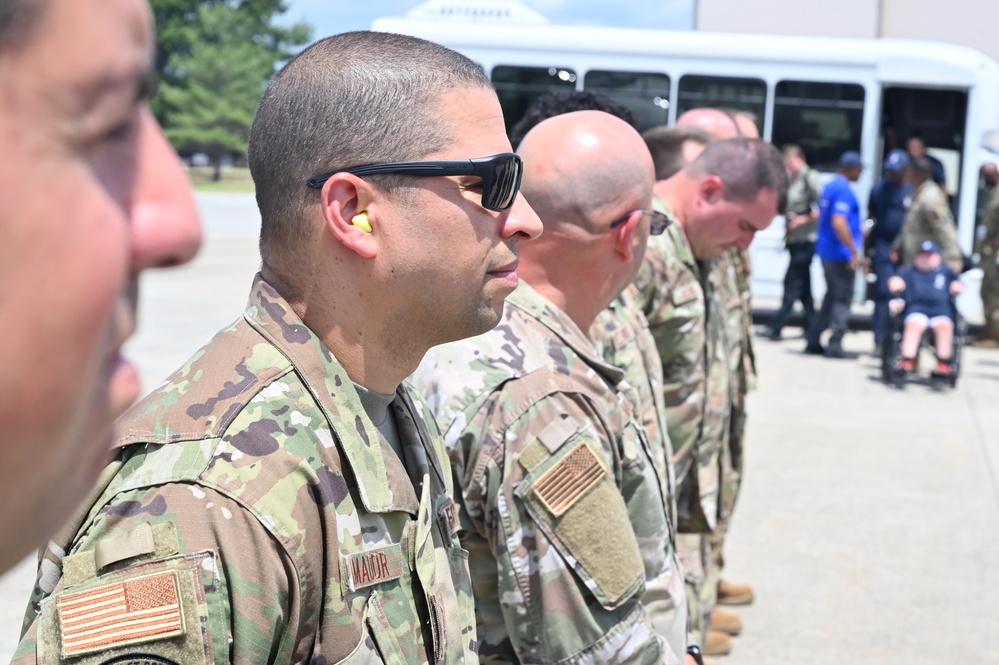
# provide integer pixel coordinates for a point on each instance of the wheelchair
(891, 351)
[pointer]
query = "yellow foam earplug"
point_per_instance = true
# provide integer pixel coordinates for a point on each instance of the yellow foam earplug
(360, 220)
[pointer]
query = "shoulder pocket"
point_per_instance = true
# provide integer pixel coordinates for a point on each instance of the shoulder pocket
(572, 497)
(169, 611)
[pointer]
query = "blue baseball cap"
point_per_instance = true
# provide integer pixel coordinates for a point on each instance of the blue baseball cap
(897, 160)
(850, 159)
(929, 247)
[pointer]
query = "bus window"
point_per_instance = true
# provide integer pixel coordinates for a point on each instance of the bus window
(645, 94)
(519, 87)
(746, 95)
(825, 119)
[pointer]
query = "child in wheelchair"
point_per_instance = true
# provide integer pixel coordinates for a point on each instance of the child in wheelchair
(925, 291)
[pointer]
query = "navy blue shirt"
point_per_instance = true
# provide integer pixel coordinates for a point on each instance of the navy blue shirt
(888, 205)
(928, 292)
(837, 199)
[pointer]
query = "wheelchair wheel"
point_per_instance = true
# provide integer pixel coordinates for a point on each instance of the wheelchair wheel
(891, 352)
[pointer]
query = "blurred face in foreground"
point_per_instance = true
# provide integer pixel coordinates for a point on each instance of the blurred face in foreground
(90, 195)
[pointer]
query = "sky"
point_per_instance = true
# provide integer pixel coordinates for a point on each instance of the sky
(332, 16)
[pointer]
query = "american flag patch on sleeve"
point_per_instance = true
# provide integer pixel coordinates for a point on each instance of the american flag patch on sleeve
(123, 613)
(569, 480)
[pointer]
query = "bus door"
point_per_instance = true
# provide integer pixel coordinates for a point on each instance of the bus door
(939, 117)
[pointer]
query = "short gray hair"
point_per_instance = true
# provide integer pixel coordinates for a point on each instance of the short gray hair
(347, 100)
(746, 167)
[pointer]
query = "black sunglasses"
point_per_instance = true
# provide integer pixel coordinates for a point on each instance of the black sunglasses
(500, 175)
(658, 222)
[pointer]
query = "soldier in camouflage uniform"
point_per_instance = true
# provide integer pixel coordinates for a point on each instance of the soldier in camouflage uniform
(622, 337)
(621, 334)
(929, 218)
(564, 508)
(689, 332)
(281, 498)
(988, 251)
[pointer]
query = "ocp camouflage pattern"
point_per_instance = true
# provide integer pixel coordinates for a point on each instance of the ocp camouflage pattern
(312, 542)
(563, 510)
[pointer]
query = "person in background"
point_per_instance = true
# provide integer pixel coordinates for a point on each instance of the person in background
(552, 104)
(839, 245)
(719, 201)
(887, 205)
(563, 504)
(929, 218)
(988, 251)
(91, 195)
(916, 147)
(927, 287)
(799, 238)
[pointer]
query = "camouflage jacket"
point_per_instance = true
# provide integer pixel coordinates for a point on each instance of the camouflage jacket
(563, 512)
(621, 335)
(687, 336)
(988, 231)
(254, 514)
(929, 218)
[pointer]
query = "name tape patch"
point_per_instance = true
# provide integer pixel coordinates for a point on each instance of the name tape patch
(372, 567)
(568, 481)
(136, 611)
(686, 293)
(449, 518)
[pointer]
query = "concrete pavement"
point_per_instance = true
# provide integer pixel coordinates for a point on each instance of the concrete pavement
(869, 520)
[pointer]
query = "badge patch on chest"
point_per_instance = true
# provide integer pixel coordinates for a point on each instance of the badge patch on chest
(372, 567)
(568, 481)
(686, 293)
(120, 614)
(448, 517)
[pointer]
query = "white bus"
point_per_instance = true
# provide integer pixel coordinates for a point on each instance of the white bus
(827, 95)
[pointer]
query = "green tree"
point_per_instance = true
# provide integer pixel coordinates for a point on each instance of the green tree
(214, 58)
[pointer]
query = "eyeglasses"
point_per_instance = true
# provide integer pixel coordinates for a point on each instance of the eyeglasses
(500, 175)
(658, 222)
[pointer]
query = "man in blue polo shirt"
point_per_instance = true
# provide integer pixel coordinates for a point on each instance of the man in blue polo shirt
(838, 246)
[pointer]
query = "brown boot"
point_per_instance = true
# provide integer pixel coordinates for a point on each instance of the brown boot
(725, 622)
(717, 644)
(731, 593)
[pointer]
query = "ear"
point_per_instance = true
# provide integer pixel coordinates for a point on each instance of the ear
(624, 236)
(345, 195)
(711, 189)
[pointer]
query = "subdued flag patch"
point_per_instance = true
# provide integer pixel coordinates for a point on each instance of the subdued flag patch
(134, 611)
(568, 481)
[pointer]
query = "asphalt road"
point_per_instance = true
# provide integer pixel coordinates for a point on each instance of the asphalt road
(869, 520)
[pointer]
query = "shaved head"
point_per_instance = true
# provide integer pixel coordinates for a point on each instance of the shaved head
(720, 123)
(583, 168)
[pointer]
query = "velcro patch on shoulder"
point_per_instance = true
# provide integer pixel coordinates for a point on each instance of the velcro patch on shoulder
(685, 293)
(568, 481)
(119, 614)
(365, 569)
(557, 432)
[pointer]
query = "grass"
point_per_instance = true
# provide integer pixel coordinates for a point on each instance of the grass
(234, 179)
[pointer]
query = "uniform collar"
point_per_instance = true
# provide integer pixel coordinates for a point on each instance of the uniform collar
(381, 478)
(558, 322)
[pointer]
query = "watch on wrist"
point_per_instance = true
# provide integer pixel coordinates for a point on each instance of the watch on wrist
(695, 651)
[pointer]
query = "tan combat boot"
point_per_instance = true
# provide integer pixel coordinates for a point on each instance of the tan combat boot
(717, 644)
(731, 593)
(725, 622)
